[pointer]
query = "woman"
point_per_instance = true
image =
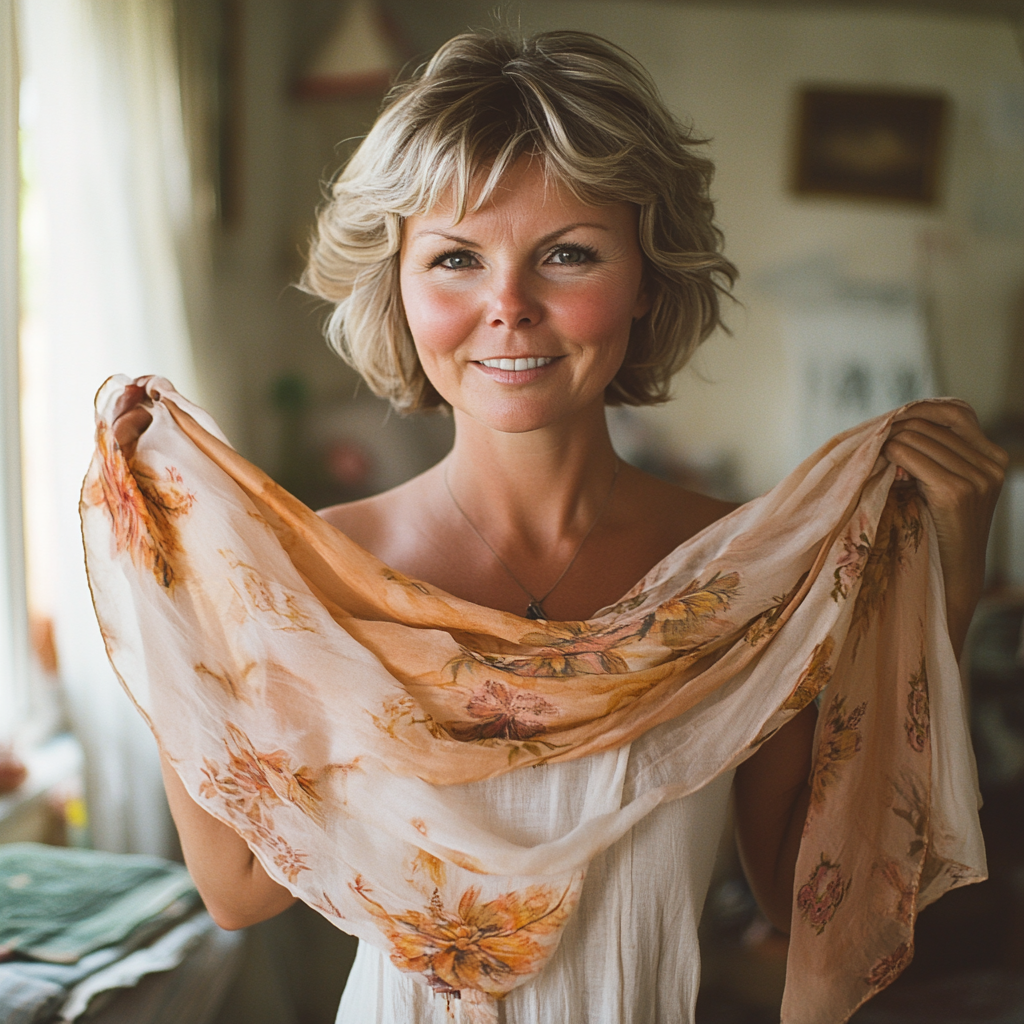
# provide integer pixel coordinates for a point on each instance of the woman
(525, 237)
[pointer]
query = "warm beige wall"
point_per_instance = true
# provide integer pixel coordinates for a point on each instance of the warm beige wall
(735, 71)
(261, 325)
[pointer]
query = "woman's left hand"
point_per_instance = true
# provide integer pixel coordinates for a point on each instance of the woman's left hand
(959, 472)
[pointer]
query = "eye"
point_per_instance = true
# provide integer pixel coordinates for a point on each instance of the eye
(571, 255)
(458, 259)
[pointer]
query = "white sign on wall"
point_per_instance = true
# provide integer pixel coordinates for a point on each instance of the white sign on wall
(854, 359)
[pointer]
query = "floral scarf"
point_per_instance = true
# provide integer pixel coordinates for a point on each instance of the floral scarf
(328, 708)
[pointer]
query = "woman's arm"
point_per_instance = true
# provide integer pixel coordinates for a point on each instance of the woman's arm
(772, 794)
(959, 472)
(235, 888)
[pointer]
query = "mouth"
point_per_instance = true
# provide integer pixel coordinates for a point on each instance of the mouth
(517, 365)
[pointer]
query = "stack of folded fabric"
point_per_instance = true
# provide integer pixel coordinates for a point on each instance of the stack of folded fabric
(79, 927)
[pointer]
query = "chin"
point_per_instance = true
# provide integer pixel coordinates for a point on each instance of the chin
(521, 417)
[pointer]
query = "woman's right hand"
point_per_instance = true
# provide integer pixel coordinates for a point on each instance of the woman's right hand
(132, 417)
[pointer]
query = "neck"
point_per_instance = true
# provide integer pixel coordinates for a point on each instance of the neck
(539, 488)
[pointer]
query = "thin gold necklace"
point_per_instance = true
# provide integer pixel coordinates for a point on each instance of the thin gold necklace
(535, 609)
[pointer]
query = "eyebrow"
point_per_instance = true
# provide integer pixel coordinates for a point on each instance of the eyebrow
(423, 232)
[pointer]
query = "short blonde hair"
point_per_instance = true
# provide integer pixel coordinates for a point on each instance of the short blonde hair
(594, 116)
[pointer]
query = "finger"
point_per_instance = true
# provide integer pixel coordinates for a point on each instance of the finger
(129, 427)
(949, 414)
(958, 417)
(978, 450)
(943, 455)
(972, 451)
(941, 486)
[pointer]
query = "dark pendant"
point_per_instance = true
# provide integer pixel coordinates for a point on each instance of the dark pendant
(534, 611)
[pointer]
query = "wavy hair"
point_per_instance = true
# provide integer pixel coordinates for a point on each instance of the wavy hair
(594, 116)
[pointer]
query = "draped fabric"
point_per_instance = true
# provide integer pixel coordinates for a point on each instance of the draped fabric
(630, 952)
(332, 711)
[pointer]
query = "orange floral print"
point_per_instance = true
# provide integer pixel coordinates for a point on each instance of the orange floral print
(142, 508)
(890, 967)
(231, 682)
(900, 530)
(580, 648)
(767, 623)
(401, 712)
(914, 813)
(290, 862)
(483, 946)
(253, 783)
(502, 713)
(326, 906)
(267, 597)
(850, 564)
(905, 887)
(916, 722)
(629, 604)
(566, 649)
(814, 678)
(822, 894)
(681, 622)
(426, 864)
(840, 741)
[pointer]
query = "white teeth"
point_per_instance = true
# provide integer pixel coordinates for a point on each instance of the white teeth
(529, 363)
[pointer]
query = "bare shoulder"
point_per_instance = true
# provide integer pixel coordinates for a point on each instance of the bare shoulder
(668, 511)
(376, 523)
(361, 520)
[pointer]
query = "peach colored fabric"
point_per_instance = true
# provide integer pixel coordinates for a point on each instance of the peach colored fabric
(328, 708)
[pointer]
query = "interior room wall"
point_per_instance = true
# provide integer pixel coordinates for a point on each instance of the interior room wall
(286, 149)
(735, 72)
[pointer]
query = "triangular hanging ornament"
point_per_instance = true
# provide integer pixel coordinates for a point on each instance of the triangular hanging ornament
(360, 56)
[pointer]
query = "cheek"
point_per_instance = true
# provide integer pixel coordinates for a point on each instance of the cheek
(436, 320)
(599, 316)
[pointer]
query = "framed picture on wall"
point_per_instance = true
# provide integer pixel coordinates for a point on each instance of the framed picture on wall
(869, 144)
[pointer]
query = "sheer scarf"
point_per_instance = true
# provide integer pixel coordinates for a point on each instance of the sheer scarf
(328, 708)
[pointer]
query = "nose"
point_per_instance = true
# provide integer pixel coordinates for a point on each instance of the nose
(513, 302)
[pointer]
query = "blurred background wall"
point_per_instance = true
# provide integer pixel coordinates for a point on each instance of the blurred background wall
(735, 71)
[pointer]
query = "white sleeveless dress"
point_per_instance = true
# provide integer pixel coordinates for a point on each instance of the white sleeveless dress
(629, 954)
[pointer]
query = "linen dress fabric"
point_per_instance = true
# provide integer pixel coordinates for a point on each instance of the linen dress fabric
(629, 953)
(336, 714)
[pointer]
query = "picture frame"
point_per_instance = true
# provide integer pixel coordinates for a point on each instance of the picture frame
(870, 144)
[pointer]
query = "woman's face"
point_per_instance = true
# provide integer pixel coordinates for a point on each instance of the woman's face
(521, 312)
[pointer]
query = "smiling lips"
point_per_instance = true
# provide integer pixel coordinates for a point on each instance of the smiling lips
(518, 365)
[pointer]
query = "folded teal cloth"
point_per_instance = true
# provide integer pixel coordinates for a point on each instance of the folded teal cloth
(58, 904)
(32, 991)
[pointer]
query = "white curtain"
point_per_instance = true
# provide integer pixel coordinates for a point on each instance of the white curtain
(110, 190)
(13, 628)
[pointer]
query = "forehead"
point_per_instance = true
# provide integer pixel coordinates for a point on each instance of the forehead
(526, 198)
